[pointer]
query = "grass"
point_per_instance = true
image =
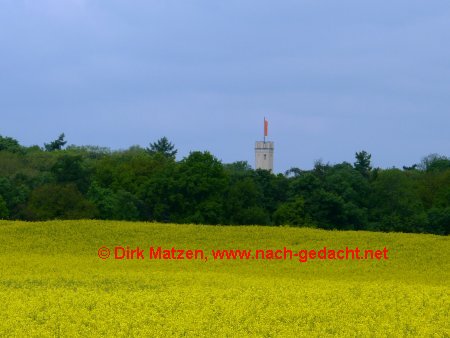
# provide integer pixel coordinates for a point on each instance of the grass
(52, 283)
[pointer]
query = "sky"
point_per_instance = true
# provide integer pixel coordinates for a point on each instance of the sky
(331, 77)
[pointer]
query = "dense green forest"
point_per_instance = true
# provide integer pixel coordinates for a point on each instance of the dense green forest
(73, 182)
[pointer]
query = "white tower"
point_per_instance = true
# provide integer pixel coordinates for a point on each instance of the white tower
(264, 151)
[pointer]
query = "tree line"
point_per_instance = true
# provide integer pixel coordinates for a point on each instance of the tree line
(149, 184)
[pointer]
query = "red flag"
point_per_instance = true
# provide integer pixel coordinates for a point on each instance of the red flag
(266, 127)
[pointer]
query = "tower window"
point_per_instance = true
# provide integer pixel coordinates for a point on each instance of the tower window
(265, 156)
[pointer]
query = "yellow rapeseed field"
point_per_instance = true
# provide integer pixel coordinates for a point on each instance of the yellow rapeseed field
(53, 283)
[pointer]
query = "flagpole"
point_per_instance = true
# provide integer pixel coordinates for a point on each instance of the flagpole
(264, 129)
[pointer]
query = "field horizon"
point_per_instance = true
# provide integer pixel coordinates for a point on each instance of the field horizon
(53, 282)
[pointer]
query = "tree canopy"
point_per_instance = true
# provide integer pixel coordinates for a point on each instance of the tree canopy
(149, 184)
(163, 147)
(57, 144)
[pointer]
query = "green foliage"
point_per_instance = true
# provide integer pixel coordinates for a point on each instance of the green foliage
(200, 180)
(54, 201)
(149, 185)
(435, 162)
(163, 147)
(4, 212)
(159, 195)
(439, 221)
(57, 144)
(292, 213)
(120, 205)
(243, 203)
(362, 163)
(396, 203)
(90, 152)
(10, 144)
(71, 169)
(10, 164)
(239, 168)
(14, 194)
(334, 196)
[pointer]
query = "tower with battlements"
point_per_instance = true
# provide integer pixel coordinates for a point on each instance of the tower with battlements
(264, 151)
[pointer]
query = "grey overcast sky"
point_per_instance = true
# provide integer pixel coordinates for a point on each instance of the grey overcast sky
(332, 77)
